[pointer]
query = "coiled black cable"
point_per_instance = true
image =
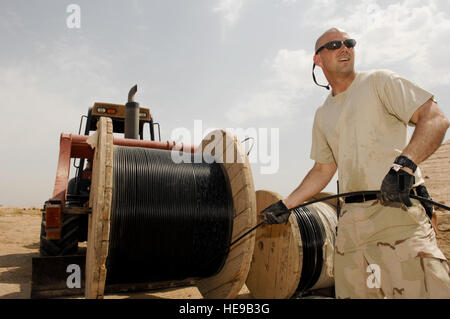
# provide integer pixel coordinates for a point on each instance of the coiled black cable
(167, 220)
(312, 233)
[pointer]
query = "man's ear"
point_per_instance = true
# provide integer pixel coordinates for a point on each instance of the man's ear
(317, 60)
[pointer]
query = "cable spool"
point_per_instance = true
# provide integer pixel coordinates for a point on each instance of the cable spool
(168, 220)
(230, 272)
(293, 257)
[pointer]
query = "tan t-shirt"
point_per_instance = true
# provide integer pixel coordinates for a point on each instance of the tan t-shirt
(364, 128)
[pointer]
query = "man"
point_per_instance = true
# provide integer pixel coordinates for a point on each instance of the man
(386, 246)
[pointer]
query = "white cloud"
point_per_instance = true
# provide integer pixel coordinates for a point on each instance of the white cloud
(409, 32)
(292, 68)
(260, 105)
(10, 22)
(33, 116)
(288, 82)
(407, 36)
(41, 99)
(80, 62)
(137, 5)
(230, 10)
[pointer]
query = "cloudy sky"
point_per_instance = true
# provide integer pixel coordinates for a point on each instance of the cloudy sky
(229, 63)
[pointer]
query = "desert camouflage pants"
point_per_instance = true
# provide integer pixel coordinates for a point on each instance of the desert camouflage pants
(388, 252)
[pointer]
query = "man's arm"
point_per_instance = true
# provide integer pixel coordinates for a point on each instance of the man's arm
(431, 126)
(317, 178)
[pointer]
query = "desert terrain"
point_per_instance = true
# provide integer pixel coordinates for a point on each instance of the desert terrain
(19, 242)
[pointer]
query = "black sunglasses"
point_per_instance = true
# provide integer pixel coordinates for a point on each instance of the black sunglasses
(333, 45)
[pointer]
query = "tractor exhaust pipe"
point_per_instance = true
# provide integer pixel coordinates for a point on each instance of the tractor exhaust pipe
(132, 116)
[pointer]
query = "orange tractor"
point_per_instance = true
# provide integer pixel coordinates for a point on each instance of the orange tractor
(65, 215)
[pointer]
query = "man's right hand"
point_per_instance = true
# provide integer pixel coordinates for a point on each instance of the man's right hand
(276, 213)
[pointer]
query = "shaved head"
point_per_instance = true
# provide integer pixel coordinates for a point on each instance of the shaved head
(323, 38)
(337, 62)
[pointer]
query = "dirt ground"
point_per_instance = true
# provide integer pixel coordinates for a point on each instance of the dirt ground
(19, 242)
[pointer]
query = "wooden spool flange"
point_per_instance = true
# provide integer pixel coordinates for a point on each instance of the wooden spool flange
(100, 203)
(276, 267)
(228, 282)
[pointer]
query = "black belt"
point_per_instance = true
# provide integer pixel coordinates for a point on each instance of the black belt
(365, 198)
(359, 198)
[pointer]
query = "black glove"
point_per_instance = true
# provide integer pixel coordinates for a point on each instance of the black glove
(276, 213)
(422, 192)
(396, 186)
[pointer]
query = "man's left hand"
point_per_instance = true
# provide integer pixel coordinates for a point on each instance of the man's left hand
(396, 186)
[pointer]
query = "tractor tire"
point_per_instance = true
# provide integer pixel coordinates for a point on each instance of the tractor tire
(83, 228)
(83, 219)
(67, 244)
(74, 228)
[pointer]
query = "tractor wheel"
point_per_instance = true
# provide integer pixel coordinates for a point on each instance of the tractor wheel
(83, 219)
(67, 244)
